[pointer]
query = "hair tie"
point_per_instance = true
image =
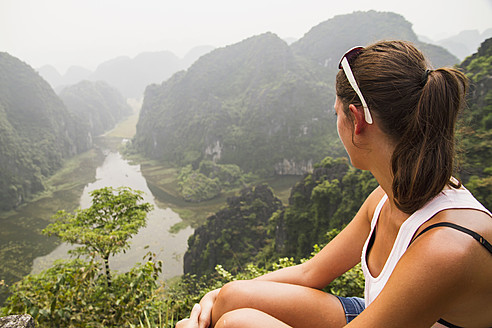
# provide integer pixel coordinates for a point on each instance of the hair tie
(425, 77)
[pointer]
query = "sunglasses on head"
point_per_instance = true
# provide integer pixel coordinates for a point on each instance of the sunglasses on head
(344, 64)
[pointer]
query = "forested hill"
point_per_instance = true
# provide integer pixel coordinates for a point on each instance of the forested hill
(475, 133)
(327, 41)
(96, 105)
(253, 104)
(36, 132)
(260, 103)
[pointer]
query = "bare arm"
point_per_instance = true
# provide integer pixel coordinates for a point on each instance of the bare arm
(340, 255)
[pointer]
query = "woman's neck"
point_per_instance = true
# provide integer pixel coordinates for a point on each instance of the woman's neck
(381, 168)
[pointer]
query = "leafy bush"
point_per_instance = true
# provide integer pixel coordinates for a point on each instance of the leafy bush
(75, 293)
(209, 180)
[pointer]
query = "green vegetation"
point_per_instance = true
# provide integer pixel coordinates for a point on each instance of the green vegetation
(253, 104)
(22, 240)
(77, 293)
(255, 226)
(233, 235)
(475, 133)
(103, 229)
(163, 182)
(326, 199)
(209, 180)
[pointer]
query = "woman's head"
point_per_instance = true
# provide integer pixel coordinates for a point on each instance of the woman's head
(415, 107)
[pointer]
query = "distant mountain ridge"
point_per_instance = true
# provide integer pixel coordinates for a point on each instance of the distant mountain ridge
(97, 105)
(129, 75)
(465, 43)
(327, 41)
(260, 103)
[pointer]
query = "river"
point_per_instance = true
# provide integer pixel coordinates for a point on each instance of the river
(168, 247)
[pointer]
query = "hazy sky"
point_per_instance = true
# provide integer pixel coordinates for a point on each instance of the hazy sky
(87, 32)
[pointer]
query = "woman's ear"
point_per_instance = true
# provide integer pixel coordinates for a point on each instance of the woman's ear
(359, 119)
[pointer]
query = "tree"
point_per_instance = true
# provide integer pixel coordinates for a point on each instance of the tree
(104, 228)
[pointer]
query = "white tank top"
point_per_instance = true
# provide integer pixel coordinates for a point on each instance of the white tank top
(447, 199)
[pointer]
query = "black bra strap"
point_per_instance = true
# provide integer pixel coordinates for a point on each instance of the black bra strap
(447, 324)
(475, 235)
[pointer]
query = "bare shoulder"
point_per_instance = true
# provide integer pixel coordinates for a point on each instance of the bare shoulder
(372, 202)
(456, 267)
(451, 244)
(471, 219)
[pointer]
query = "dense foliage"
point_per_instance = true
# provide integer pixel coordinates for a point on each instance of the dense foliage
(255, 226)
(234, 235)
(37, 132)
(96, 105)
(105, 228)
(209, 180)
(475, 133)
(326, 199)
(81, 293)
(75, 293)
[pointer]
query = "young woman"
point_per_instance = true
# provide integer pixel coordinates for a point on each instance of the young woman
(421, 236)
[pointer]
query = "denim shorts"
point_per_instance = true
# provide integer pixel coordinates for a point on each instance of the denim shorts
(352, 306)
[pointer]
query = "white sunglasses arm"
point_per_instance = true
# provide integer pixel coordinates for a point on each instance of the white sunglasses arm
(350, 77)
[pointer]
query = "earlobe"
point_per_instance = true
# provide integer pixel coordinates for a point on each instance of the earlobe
(359, 119)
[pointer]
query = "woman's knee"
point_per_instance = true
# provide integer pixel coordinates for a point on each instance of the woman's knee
(232, 296)
(235, 292)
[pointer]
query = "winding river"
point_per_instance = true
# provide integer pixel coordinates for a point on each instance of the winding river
(168, 247)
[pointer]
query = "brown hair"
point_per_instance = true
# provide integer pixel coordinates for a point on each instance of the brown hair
(417, 108)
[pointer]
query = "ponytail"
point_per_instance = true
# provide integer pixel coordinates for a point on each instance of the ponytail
(423, 160)
(417, 108)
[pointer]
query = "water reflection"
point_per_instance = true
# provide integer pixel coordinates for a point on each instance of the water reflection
(170, 248)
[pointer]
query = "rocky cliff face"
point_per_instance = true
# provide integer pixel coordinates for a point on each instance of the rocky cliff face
(291, 167)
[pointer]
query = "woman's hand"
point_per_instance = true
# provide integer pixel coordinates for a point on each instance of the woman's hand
(206, 304)
(201, 315)
(192, 322)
